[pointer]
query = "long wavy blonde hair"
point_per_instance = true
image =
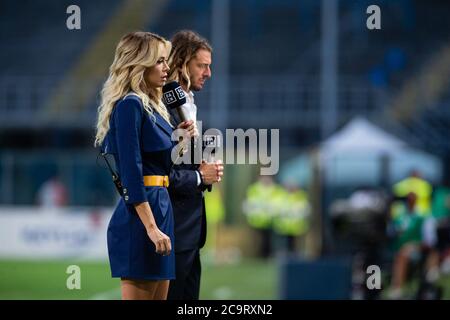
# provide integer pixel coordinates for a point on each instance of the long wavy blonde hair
(135, 53)
(185, 44)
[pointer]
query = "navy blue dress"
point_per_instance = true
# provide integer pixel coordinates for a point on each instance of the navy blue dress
(141, 145)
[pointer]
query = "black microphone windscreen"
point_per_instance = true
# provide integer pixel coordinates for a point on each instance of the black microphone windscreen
(173, 95)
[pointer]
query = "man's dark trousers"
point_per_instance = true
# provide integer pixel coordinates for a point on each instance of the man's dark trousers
(190, 226)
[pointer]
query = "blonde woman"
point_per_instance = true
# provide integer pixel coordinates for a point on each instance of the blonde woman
(133, 125)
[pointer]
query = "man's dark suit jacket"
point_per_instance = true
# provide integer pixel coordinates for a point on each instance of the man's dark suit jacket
(188, 204)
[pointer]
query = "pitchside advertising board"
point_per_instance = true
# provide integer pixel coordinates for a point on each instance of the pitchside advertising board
(54, 233)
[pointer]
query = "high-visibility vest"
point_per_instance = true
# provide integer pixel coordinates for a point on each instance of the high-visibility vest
(215, 210)
(262, 204)
(421, 188)
(294, 219)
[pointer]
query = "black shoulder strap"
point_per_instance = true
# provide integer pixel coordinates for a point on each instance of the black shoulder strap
(114, 175)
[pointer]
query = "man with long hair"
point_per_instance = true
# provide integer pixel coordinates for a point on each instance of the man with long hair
(189, 62)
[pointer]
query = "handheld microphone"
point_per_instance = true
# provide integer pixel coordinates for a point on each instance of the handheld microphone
(174, 97)
(211, 143)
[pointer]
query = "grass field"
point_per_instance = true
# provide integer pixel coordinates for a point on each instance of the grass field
(47, 280)
(249, 279)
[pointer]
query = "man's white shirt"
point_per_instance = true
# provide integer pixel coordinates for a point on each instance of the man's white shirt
(190, 110)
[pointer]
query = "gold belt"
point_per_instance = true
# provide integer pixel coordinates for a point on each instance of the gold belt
(156, 181)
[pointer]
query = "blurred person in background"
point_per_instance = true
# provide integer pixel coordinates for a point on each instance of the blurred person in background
(190, 62)
(52, 193)
(134, 125)
(441, 215)
(292, 220)
(426, 255)
(264, 200)
(436, 245)
(420, 187)
(406, 230)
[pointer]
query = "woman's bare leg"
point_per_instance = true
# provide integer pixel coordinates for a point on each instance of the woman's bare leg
(162, 290)
(138, 289)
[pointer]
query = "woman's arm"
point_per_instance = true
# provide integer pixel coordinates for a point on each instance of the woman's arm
(161, 241)
(128, 119)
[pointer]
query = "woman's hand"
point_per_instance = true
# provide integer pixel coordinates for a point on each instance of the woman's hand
(161, 241)
(191, 128)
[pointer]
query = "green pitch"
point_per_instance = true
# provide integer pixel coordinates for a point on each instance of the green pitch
(47, 280)
(249, 279)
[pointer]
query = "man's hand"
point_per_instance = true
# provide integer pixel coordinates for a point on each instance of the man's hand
(191, 128)
(211, 172)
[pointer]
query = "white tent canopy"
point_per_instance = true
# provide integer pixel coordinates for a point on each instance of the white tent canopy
(353, 156)
(361, 136)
